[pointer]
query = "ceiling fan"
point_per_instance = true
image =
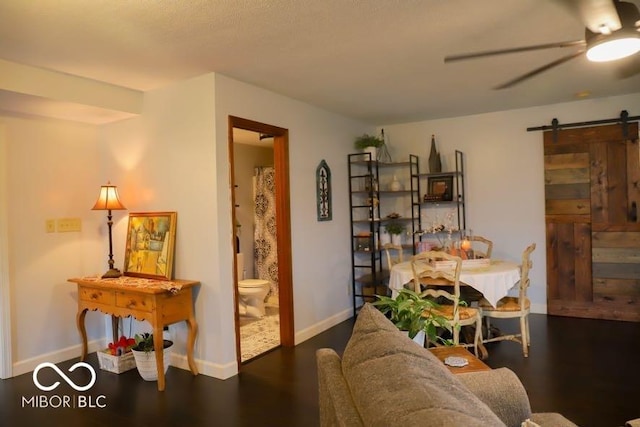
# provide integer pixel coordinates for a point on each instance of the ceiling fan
(612, 32)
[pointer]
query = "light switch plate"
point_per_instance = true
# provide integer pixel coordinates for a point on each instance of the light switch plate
(65, 225)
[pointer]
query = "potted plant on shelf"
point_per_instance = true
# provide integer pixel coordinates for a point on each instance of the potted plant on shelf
(145, 356)
(369, 144)
(414, 314)
(396, 229)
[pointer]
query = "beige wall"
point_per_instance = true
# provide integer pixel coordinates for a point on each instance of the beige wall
(53, 170)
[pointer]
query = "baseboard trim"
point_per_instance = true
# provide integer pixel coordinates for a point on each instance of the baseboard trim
(322, 326)
(215, 370)
(57, 356)
(538, 308)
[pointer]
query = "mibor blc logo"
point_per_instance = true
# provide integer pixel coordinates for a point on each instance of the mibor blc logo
(65, 400)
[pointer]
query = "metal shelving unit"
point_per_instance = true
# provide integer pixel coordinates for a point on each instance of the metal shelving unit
(365, 200)
(457, 201)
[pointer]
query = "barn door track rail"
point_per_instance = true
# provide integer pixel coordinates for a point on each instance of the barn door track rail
(555, 126)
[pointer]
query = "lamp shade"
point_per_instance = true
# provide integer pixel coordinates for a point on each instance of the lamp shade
(108, 199)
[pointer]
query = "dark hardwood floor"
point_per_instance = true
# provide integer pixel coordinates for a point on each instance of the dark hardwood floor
(586, 369)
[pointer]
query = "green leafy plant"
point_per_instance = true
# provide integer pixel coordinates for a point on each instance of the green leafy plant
(367, 140)
(395, 227)
(412, 313)
(144, 342)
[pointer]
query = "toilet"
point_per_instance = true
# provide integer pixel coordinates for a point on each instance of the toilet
(252, 292)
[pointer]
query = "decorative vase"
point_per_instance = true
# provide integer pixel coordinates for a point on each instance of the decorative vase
(435, 165)
(146, 361)
(396, 239)
(395, 184)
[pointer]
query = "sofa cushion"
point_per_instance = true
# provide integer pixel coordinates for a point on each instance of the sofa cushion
(394, 381)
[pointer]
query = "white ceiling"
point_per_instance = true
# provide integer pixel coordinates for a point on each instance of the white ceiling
(380, 61)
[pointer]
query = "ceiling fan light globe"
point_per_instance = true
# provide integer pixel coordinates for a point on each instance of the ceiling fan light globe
(614, 48)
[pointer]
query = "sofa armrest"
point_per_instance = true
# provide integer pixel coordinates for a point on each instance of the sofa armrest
(501, 390)
(336, 404)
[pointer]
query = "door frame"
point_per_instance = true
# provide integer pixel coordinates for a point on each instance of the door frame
(283, 224)
(6, 361)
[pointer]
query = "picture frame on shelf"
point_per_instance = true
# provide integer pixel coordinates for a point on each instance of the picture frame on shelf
(441, 188)
(150, 245)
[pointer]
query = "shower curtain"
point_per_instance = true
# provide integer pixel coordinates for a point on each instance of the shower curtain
(265, 249)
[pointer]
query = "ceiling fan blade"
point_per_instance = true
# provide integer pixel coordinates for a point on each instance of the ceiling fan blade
(595, 14)
(628, 67)
(474, 55)
(539, 70)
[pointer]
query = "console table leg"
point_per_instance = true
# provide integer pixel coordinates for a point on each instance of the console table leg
(114, 327)
(158, 346)
(83, 332)
(191, 340)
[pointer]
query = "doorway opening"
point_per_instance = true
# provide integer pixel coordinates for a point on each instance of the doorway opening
(258, 155)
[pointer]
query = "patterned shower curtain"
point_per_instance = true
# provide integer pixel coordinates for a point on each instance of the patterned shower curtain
(265, 249)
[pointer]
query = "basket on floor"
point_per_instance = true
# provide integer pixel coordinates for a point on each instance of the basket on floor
(116, 364)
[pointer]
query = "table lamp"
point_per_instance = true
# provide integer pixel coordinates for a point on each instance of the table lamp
(108, 201)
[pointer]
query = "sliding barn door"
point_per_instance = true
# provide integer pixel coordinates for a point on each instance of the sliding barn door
(592, 193)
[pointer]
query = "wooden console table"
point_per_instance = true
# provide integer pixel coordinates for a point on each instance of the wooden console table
(159, 302)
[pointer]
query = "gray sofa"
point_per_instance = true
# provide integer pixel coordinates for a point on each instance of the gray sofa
(385, 379)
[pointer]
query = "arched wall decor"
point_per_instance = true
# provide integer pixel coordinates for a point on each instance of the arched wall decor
(323, 191)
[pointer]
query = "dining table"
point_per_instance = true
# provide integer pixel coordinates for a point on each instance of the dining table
(494, 280)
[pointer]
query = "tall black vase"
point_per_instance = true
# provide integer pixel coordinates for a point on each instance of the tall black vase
(435, 165)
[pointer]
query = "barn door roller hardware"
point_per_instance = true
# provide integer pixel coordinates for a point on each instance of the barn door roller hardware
(624, 120)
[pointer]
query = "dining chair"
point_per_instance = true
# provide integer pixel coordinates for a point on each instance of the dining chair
(440, 272)
(393, 254)
(513, 307)
(485, 244)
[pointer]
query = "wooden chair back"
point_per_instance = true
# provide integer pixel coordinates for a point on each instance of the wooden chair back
(426, 271)
(525, 267)
(393, 254)
(486, 246)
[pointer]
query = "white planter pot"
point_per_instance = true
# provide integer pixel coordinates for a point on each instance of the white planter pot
(146, 362)
(419, 338)
(373, 151)
(396, 239)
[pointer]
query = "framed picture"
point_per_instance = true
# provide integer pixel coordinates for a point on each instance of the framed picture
(442, 187)
(151, 240)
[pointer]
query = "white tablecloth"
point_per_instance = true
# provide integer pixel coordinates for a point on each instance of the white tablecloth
(494, 281)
